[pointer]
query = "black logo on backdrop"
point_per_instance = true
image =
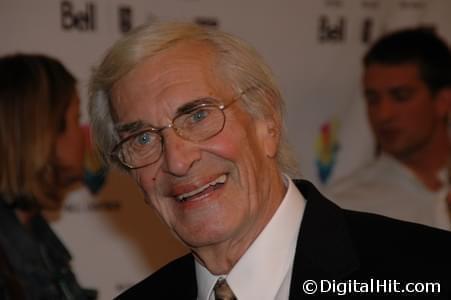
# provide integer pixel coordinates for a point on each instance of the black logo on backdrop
(334, 30)
(331, 30)
(367, 31)
(78, 19)
(207, 21)
(125, 18)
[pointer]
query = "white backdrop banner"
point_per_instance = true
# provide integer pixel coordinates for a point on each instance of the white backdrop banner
(315, 49)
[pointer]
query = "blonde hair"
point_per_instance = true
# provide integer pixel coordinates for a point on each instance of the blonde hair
(35, 92)
(237, 63)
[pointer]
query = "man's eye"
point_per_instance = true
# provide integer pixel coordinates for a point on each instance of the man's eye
(198, 115)
(144, 138)
(402, 95)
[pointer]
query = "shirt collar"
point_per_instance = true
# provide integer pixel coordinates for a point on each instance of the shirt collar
(396, 167)
(261, 270)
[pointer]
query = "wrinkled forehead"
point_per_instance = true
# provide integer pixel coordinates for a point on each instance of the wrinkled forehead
(165, 81)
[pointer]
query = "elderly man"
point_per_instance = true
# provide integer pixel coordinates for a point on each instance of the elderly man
(195, 118)
(407, 86)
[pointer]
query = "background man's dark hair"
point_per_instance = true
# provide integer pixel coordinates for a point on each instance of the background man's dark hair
(420, 46)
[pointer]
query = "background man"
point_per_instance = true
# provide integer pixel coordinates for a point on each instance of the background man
(407, 86)
(194, 116)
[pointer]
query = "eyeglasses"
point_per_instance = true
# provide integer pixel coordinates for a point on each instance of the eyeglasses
(197, 124)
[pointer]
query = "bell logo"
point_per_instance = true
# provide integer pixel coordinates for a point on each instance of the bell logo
(125, 18)
(330, 31)
(81, 20)
(367, 31)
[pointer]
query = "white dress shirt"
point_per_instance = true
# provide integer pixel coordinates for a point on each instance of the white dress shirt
(387, 187)
(264, 271)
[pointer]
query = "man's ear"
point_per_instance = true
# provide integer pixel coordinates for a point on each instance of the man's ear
(443, 102)
(269, 133)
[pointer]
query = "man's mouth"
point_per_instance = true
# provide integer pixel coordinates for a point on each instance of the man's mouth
(211, 186)
(388, 133)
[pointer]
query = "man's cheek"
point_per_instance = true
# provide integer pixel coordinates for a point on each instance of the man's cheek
(228, 149)
(145, 185)
(144, 177)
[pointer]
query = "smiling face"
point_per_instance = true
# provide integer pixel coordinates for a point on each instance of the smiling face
(224, 189)
(403, 113)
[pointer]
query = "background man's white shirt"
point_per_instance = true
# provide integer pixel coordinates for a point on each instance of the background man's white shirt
(387, 187)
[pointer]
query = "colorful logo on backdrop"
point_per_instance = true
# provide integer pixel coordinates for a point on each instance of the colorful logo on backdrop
(95, 170)
(327, 146)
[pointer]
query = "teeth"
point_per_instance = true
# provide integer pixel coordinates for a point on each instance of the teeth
(220, 179)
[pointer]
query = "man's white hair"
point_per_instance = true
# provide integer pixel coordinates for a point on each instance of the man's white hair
(236, 63)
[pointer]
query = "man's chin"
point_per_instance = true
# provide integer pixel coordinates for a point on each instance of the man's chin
(392, 148)
(202, 239)
(52, 206)
(51, 202)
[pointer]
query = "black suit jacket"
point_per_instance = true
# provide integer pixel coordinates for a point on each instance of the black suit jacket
(340, 245)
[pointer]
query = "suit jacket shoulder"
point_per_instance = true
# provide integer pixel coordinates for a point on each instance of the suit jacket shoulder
(338, 244)
(176, 280)
(400, 248)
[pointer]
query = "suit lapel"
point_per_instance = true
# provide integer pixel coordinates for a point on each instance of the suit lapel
(186, 283)
(324, 248)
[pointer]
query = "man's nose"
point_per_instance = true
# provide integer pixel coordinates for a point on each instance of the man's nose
(385, 110)
(179, 154)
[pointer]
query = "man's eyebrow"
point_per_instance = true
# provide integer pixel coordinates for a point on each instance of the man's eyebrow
(131, 127)
(401, 88)
(187, 107)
